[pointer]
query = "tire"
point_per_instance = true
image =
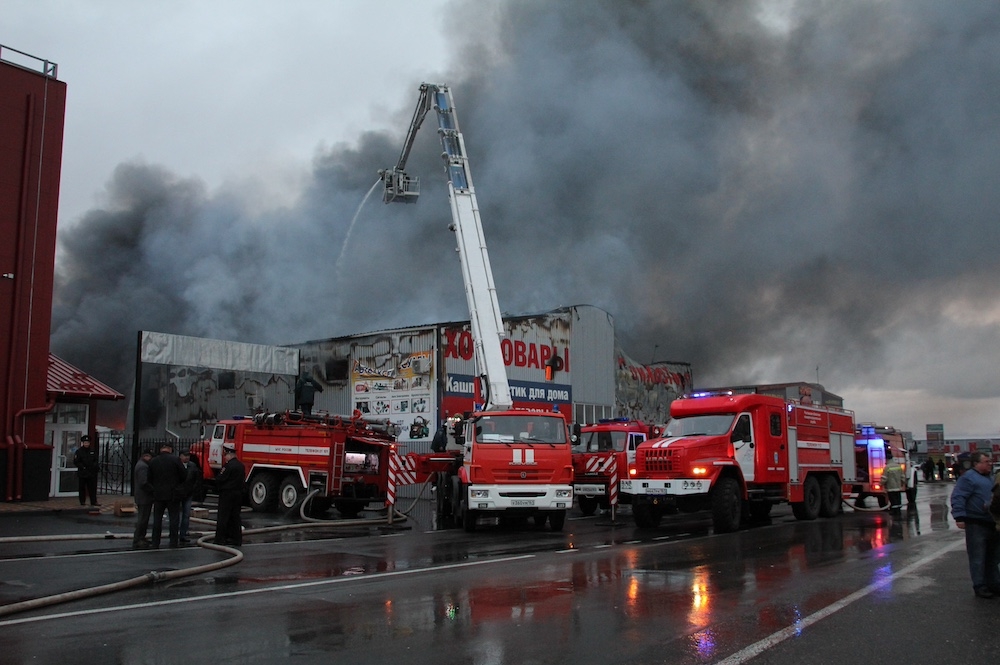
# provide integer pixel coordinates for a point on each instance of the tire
(468, 517)
(290, 493)
(727, 505)
(830, 496)
(588, 505)
(263, 492)
(557, 520)
(443, 498)
(646, 516)
(812, 500)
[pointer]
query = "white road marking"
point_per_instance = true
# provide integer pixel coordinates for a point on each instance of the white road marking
(757, 648)
(248, 592)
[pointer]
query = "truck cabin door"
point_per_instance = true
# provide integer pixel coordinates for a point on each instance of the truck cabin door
(743, 445)
(772, 449)
(633, 442)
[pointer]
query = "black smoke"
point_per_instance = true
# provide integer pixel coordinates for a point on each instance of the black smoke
(758, 188)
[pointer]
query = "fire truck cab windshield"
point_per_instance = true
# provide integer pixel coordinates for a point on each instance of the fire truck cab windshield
(597, 442)
(520, 429)
(699, 425)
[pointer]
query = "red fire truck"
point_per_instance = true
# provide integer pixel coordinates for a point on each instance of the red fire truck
(499, 460)
(345, 458)
(602, 456)
(872, 446)
(739, 455)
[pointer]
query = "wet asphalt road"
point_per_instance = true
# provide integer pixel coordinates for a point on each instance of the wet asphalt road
(862, 585)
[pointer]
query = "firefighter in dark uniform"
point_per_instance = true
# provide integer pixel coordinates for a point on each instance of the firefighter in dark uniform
(305, 393)
(88, 468)
(228, 529)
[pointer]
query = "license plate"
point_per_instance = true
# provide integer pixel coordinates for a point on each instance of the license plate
(656, 490)
(522, 502)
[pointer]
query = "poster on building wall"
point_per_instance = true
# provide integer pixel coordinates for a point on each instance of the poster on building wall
(403, 393)
(644, 392)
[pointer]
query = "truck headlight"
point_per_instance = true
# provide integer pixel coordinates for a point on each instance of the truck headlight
(564, 494)
(480, 494)
(699, 471)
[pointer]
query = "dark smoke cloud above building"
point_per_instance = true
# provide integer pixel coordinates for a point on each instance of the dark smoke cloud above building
(758, 188)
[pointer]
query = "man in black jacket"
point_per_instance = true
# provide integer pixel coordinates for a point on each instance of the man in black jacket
(305, 393)
(87, 469)
(229, 482)
(166, 475)
(189, 491)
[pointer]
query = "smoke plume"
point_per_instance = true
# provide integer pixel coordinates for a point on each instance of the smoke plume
(758, 188)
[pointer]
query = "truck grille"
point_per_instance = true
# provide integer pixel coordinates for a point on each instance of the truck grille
(656, 461)
(514, 476)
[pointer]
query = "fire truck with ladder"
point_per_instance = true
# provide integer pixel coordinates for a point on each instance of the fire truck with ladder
(498, 461)
(739, 455)
(345, 459)
(602, 454)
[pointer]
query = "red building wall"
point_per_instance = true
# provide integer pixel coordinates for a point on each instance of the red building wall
(32, 111)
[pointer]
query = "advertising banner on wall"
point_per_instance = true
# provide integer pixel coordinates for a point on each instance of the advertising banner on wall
(403, 394)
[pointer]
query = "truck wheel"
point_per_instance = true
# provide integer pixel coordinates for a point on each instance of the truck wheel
(646, 516)
(443, 498)
(727, 505)
(557, 520)
(830, 496)
(812, 500)
(263, 492)
(588, 505)
(468, 517)
(290, 493)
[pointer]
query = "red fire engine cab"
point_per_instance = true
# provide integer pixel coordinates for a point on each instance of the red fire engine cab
(602, 455)
(344, 458)
(739, 455)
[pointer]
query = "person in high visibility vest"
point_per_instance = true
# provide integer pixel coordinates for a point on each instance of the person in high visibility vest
(893, 481)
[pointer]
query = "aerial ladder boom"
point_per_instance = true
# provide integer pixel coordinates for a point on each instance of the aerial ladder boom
(480, 292)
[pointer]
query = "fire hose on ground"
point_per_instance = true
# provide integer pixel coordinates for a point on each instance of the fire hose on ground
(155, 576)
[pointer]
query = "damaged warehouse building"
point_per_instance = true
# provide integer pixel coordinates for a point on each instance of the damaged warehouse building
(567, 359)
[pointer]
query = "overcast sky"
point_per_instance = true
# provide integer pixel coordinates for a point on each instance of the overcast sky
(773, 191)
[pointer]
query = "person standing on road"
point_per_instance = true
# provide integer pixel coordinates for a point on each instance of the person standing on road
(940, 468)
(893, 482)
(970, 501)
(228, 529)
(87, 470)
(166, 475)
(911, 485)
(189, 490)
(143, 500)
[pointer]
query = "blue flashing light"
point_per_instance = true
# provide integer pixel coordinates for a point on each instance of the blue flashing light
(605, 421)
(711, 393)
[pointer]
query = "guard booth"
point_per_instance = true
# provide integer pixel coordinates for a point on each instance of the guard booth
(74, 396)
